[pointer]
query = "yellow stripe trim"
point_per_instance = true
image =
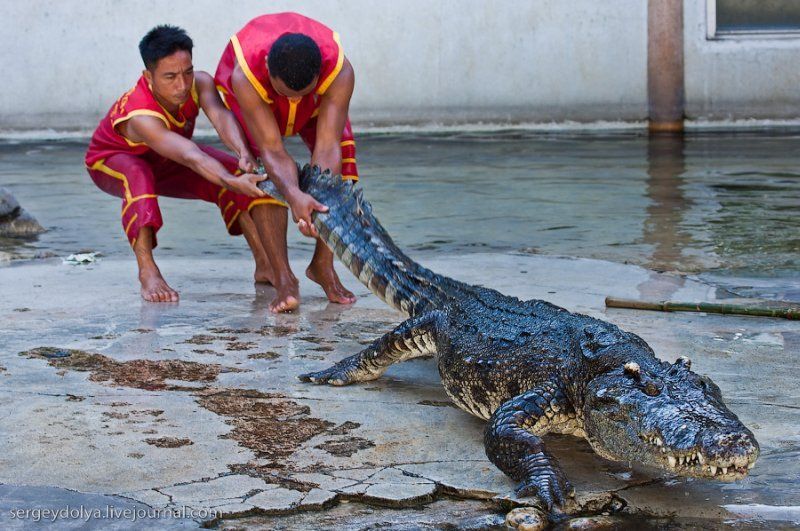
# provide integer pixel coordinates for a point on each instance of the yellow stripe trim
(233, 220)
(219, 195)
(290, 119)
(132, 143)
(139, 112)
(133, 200)
(100, 166)
(347, 143)
(172, 118)
(223, 95)
(128, 227)
(348, 161)
(237, 49)
(349, 177)
(266, 201)
(339, 62)
(315, 113)
(195, 97)
(227, 207)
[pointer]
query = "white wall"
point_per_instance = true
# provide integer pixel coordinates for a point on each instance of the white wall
(65, 61)
(415, 60)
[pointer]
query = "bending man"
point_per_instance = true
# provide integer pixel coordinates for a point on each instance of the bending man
(281, 75)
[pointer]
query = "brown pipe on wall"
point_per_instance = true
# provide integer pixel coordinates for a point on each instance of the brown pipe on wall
(665, 93)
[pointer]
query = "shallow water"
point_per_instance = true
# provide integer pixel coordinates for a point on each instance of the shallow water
(722, 205)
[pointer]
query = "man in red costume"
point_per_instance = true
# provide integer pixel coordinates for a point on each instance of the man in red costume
(281, 75)
(142, 149)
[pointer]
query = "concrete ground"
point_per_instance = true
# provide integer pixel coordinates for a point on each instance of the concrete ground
(194, 408)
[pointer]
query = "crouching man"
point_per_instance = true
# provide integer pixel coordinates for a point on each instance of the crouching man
(143, 149)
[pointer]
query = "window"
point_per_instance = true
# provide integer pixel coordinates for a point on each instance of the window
(753, 18)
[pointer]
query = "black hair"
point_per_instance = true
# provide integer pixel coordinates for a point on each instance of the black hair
(295, 59)
(161, 42)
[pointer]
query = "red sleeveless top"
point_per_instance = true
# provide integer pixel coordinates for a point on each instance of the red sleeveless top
(249, 49)
(107, 141)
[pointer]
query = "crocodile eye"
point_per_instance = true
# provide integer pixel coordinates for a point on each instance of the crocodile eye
(650, 388)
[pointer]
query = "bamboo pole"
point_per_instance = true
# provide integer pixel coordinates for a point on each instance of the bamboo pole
(760, 309)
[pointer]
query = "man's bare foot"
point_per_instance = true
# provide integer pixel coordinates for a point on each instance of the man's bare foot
(329, 280)
(263, 274)
(154, 287)
(288, 297)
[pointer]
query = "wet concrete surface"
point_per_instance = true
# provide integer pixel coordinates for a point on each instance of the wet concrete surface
(196, 405)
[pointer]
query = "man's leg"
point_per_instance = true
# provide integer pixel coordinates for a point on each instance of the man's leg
(131, 178)
(263, 274)
(321, 270)
(271, 222)
(243, 223)
(154, 287)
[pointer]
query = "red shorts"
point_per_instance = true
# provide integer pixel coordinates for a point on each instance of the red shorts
(139, 180)
(349, 169)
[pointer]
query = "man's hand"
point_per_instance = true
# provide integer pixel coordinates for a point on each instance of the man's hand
(303, 205)
(246, 184)
(247, 163)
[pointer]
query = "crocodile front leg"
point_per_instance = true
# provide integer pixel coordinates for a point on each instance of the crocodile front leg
(512, 441)
(412, 338)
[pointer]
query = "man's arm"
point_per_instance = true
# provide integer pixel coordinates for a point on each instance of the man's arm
(223, 120)
(279, 164)
(332, 117)
(154, 133)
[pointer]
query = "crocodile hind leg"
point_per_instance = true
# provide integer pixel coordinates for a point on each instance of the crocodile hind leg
(412, 338)
(512, 442)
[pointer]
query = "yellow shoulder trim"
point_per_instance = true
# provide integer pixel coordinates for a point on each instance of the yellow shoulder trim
(339, 62)
(195, 97)
(140, 112)
(237, 49)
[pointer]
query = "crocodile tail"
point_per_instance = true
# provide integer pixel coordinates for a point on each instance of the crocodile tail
(358, 239)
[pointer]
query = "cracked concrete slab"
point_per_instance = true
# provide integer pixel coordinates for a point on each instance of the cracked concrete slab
(69, 430)
(223, 488)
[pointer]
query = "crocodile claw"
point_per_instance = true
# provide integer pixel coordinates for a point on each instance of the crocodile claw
(550, 486)
(343, 373)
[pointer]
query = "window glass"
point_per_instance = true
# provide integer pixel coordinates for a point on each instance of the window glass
(734, 16)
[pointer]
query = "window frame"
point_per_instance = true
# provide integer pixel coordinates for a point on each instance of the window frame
(712, 34)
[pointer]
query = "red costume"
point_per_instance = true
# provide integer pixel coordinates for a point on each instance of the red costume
(249, 49)
(137, 174)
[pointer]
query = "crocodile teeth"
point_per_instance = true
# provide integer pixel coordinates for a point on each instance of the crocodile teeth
(671, 461)
(724, 470)
(701, 458)
(713, 470)
(659, 442)
(750, 466)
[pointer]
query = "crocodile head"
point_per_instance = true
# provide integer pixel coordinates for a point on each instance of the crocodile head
(669, 417)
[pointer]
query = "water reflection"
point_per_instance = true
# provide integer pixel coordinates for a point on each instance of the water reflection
(666, 165)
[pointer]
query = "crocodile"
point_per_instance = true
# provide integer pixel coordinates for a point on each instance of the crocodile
(528, 367)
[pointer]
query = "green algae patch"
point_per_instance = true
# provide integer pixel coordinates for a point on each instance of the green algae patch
(140, 374)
